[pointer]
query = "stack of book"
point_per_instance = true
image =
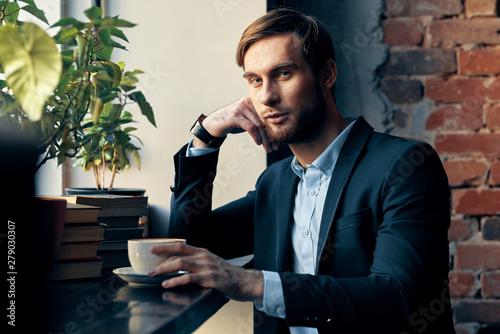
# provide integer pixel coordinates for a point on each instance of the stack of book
(125, 218)
(82, 236)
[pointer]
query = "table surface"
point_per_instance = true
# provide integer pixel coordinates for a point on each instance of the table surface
(110, 305)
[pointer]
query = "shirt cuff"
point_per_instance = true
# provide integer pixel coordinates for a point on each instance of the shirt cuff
(196, 151)
(273, 299)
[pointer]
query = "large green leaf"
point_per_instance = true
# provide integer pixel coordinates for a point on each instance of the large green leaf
(93, 13)
(32, 65)
(11, 12)
(38, 13)
(145, 107)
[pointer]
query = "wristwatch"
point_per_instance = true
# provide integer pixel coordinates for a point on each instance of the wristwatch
(202, 134)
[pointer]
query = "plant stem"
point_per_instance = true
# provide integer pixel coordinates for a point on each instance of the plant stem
(96, 176)
(103, 169)
(115, 168)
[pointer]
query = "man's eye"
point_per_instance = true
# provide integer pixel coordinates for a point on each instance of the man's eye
(255, 81)
(284, 74)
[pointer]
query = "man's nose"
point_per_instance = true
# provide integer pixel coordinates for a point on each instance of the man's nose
(270, 94)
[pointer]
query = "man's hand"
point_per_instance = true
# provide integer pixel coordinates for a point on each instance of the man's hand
(237, 117)
(209, 271)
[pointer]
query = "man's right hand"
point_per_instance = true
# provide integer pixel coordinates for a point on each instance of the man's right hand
(239, 116)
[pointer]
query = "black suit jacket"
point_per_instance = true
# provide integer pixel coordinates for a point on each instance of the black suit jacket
(383, 245)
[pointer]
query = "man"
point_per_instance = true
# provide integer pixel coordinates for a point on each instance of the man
(349, 234)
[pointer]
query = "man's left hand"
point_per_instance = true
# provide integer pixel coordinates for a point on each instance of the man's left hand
(209, 271)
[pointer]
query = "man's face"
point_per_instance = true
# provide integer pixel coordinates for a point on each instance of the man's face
(283, 90)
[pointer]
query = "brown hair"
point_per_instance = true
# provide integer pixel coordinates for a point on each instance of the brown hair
(315, 41)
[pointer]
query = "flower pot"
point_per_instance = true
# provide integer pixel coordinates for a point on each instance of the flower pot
(114, 191)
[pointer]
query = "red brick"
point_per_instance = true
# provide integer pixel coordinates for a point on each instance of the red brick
(402, 91)
(486, 144)
(402, 31)
(490, 283)
(458, 31)
(459, 230)
(420, 61)
(495, 173)
(477, 256)
(460, 173)
(493, 116)
(476, 202)
(460, 89)
(455, 117)
(480, 8)
(461, 283)
(471, 310)
(476, 62)
(435, 8)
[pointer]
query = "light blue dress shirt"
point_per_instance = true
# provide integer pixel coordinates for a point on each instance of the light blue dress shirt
(307, 212)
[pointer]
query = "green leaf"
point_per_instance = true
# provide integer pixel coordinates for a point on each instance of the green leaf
(145, 107)
(11, 12)
(104, 53)
(104, 35)
(127, 88)
(113, 22)
(3, 84)
(66, 33)
(137, 158)
(38, 13)
(93, 13)
(118, 33)
(32, 65)
(129, 129)
(66, 21)
(114, 113)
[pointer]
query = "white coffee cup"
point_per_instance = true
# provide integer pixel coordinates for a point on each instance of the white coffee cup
(140, 256)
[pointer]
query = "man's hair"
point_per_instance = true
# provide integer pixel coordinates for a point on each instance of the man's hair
(315, 41)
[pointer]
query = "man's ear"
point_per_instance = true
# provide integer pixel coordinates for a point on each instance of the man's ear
(328, 74)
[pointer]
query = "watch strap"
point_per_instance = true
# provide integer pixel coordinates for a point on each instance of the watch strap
(199, 131)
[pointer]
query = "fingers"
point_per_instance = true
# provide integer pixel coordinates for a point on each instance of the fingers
(238, 117)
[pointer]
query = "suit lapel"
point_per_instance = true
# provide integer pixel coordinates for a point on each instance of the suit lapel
(348, 156)
(284, 216)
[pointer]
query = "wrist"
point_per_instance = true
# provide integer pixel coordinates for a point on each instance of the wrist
(253, 287)
(203, 138)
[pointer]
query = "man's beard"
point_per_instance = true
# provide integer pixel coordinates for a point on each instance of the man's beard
(309, 120)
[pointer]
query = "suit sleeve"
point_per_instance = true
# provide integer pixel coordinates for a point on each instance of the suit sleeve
(410, 259)
(226, 231)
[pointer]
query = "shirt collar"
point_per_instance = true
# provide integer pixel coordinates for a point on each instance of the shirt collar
(327, 160)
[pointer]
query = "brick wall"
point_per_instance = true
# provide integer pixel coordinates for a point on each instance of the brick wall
(443, 79)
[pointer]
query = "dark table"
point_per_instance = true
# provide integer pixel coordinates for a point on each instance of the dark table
(110, 305)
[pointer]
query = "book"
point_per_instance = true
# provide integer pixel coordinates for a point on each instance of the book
(122, 234)
(78, 213)
(78, 250)
(77, 269)
(126, 221)
(83, 233)
(113, 201)
(114, 259)
(124, 212)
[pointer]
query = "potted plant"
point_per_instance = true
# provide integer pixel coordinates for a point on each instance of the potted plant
(74, 102)
(71, 104)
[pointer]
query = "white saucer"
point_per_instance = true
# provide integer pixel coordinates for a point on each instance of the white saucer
(141, 279)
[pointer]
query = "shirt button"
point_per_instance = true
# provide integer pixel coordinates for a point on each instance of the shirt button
(280, 310)
(311, 192)
(306, 232)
